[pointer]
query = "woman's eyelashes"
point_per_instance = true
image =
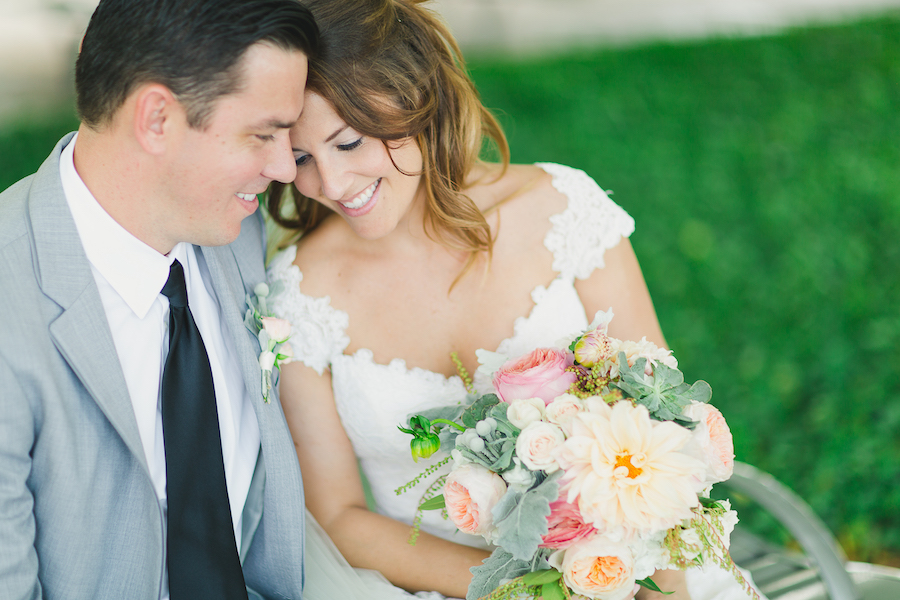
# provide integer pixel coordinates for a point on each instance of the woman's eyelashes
(305, 158)
(350, 146)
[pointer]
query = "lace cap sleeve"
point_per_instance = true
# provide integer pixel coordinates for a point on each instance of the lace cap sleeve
(318, 329)
(590, 225)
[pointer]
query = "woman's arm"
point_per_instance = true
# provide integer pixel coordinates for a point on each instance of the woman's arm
(620, 284)
(335, 497)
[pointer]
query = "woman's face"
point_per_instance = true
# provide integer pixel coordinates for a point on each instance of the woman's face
(352, 174)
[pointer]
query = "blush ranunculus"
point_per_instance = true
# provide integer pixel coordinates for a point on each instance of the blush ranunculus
(565, 525)
(540, 374)
(470, 493)
(711, 442)
(597, 568)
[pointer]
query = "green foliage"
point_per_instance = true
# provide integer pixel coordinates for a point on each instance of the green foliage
(479, 410)
(764, 178)
(521, 518)
(651, 585)
(664, 393)
(499, 566)
(435, 503)
(25, 144)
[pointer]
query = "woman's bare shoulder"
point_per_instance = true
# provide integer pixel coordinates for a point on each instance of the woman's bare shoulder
(322, 256)
(522, 201)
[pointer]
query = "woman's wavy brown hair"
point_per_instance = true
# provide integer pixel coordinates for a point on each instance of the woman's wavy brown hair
(392, 70)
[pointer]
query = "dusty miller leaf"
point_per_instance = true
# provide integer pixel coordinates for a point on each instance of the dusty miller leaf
(521, 519)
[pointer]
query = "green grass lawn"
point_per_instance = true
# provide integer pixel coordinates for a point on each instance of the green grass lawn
(764, 176)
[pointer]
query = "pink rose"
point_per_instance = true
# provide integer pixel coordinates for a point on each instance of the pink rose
(565, 525)
(470, 493)
(540, 374)
(711, 442)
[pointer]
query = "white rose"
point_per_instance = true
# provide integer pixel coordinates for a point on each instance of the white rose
(523, 412)
(536, 445)
(278, 329)
(266, 361)
(563, 409)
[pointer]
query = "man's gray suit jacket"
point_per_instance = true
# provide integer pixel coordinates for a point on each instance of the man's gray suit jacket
(79, 518)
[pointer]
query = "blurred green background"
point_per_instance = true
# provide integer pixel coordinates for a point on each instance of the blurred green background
(764, 176)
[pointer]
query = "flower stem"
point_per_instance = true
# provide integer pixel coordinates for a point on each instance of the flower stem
(448, 422)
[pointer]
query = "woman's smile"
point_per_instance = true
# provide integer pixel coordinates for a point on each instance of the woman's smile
(364, 201)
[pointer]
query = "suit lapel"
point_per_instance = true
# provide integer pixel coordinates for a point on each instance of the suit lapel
(228, 281)
(81, 332)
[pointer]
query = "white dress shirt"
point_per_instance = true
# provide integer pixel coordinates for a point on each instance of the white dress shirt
(130, 275)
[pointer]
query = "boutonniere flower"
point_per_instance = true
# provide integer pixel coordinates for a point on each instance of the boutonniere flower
(273, 334)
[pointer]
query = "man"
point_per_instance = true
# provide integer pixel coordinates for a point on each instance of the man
(138, 459)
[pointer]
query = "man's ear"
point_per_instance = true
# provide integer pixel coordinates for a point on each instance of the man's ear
(158, 116)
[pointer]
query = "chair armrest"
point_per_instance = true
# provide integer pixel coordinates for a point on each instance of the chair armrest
(796, 515)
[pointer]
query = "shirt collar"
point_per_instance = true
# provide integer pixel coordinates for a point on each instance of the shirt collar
(135, 271)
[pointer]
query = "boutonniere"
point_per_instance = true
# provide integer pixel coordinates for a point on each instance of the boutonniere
(273, 334)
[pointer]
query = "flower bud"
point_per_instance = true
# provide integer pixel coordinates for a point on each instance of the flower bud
(261, 289)
(594, 347)
(424, 445)
(486, 427)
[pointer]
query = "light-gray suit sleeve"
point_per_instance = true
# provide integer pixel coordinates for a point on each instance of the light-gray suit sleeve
(18, 557)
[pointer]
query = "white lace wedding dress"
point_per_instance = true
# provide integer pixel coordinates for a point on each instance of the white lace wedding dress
(372, 399)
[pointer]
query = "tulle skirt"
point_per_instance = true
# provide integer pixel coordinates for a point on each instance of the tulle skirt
(329, 576)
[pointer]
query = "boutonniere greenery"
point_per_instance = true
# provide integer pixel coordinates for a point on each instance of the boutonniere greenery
(273, 334)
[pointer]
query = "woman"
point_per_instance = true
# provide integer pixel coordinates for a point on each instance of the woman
(412, 249)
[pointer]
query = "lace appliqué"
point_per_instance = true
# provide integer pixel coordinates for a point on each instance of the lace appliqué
(590, 225)
(319, 329)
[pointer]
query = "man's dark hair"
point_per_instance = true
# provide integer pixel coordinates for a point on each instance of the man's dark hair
(193, 47)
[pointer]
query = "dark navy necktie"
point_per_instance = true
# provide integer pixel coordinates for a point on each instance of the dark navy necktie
(202, 555)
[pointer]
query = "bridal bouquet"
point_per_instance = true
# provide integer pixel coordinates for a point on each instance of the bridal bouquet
(589, 466)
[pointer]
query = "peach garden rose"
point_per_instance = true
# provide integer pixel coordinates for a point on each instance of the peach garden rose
(711, 442)
(471, 492)
(597, 568)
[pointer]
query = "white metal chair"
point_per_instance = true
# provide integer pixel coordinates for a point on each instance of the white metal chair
(821, 571)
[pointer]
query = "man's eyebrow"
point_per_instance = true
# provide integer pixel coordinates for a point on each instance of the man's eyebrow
(336, 133)
(276, 124)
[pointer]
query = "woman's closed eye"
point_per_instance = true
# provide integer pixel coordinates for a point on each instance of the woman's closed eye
(301, 160)
(350, 146)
